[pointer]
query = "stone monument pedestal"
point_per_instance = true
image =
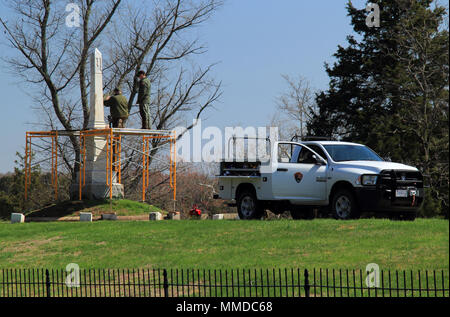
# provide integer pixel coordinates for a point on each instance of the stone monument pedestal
(97, 191)
(94, 190)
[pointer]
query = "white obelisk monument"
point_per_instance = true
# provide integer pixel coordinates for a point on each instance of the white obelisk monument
(97, 114)
(96, 157)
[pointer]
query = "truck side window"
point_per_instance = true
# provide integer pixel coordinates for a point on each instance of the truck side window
(306, 157)
(284, 152)
(318, 150)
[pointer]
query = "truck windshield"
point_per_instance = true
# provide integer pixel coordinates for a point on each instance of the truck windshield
(347, 152)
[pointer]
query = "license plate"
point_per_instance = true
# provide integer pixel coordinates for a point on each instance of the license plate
(401, 193)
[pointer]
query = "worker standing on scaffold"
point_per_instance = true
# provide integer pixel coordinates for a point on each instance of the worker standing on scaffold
(118, 106)
(143, 89)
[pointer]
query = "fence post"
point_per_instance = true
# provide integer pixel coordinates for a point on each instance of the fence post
(47, 282)
(307, 286)
(165, 284)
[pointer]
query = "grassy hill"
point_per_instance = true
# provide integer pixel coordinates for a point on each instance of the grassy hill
(121, 207)
(325, 243)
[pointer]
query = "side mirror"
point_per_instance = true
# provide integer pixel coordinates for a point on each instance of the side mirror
(318, 160)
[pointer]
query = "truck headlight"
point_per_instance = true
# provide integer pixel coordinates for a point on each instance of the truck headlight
(367, 180)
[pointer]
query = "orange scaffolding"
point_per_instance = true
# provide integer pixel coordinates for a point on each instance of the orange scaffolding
(28, 156)
(113, 164)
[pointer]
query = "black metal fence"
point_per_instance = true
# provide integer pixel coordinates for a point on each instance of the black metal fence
(221, 283)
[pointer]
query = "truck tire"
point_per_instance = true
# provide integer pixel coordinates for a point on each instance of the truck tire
(343, 205)
(248, 206)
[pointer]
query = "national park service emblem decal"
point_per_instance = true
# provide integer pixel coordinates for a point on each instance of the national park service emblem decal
(298, 177)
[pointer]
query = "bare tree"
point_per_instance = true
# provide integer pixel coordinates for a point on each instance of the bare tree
(49, 57)
(150, 35)
(296, 106)
(159, 43)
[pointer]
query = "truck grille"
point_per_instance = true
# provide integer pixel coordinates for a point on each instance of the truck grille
(399, 178)
(393, 180)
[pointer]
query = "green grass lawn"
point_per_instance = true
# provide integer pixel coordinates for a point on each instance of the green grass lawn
(321, 243)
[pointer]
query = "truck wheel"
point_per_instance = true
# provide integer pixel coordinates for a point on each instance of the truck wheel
(344, 205)
(248, 206)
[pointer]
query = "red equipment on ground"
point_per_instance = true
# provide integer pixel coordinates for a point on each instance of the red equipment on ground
(195, 211)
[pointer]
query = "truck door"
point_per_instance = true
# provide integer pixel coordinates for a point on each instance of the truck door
(297, 176)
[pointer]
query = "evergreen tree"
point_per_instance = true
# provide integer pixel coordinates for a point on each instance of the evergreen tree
(389, 89)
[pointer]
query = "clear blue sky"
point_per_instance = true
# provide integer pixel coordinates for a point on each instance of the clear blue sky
(255, 42)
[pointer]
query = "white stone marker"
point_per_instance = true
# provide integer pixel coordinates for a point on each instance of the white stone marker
(17, 218)
(155, 216)
(174, 216)
(86, 216)
(109, 217)
(218, 217)
(230, 216)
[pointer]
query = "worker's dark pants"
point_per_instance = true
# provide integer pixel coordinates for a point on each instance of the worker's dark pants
(144, 110)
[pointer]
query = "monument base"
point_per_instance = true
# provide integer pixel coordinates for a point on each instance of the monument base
(97, 191)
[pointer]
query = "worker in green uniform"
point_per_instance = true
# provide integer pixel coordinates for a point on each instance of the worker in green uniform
(118, 106)
(142, 88)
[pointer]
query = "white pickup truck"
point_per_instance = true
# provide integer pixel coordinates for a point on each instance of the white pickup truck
(340, 177)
